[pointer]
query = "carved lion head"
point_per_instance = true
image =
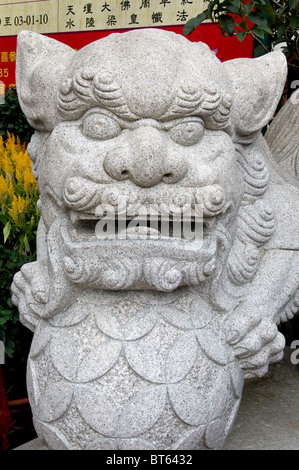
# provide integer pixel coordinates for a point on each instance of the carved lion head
(142, 139)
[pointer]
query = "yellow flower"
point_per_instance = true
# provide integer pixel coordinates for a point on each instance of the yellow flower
(29, 179)
(6, 188)
(19, 174)
(7, 165)
(18, 206)
(22, 159)
(9, 142)
(14, 156)
(12, 145)
(1, 142)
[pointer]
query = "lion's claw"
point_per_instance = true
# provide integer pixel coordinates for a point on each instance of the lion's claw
(30, 292)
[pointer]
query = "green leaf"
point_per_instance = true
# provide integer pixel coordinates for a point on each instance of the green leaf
(189, 27)
(256, 18)
(233, 9)
(241, 35)
(243, 25)
(21, 242)
(281, 12)
(258, 51)
(269, 10)
(6, 231)
(258, 32)
(281, 30)
(266, 29)
(194, 22)
(227, 23)
(26, 243)
(248, 8)
(200, 18)
(4, 320)
(294, 22)
(3, 219)
(293, 4)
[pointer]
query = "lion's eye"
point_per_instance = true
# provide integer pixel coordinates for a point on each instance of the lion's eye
(100, 127)
(187, 133)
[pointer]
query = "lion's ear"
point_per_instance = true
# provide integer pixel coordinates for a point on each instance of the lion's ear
(257, 86)
(39, 65)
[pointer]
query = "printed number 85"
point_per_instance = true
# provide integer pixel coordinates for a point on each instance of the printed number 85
(3, 73)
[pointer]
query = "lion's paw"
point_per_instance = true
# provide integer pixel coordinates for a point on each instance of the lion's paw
(255, 342)
(263, 346)
(30, 290)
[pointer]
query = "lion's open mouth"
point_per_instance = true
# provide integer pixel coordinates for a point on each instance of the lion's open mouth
(149, 244)
(137, 251)
(140, 226)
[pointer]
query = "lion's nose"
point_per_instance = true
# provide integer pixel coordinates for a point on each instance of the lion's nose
(145, 160)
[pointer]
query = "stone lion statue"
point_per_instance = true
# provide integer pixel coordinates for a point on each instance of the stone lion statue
(143, 336)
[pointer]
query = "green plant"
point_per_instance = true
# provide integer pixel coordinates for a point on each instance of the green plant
(18, 224)
(10, 333)
(269, 22)
(19, 218)
(18, 196)
(12, 119)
